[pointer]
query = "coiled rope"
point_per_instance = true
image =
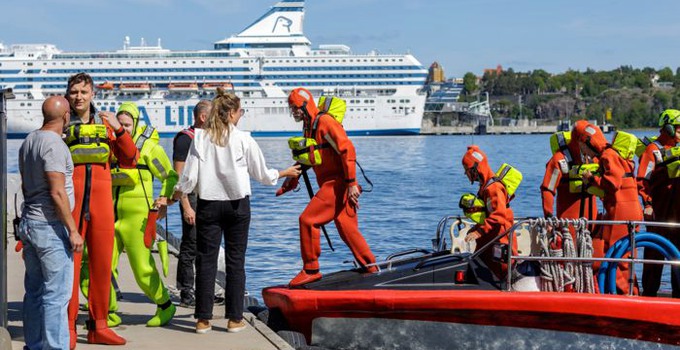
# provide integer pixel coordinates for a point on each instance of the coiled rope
(559, 276)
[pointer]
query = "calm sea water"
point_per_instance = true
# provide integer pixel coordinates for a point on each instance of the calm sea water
(418, 180)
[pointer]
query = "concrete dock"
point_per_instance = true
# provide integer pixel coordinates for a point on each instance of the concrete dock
(136, 309)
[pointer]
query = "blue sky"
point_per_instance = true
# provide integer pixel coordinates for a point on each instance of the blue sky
(463, 36)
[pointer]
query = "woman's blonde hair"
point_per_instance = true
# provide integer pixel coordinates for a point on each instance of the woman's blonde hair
(217, 123)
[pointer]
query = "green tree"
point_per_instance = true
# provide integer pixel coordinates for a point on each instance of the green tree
(666, 74)
(470, 83)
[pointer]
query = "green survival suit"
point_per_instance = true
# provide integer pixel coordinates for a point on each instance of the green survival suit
(132, 198)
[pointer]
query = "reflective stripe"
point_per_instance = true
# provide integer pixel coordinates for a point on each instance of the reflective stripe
(658, 157)
(160, 167)
(564, 166)
(89, 151)
(327, 103)
(146, 134)
(553, 179)
(328, 138)
(648, 171)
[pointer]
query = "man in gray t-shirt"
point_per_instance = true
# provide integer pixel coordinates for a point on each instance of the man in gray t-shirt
(43, 151)
(47, 229)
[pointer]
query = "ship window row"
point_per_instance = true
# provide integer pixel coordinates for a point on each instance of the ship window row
(315, 68)
(63, 86)
(110, 63)
(361, 110)
(359, 101)
(145, 70)
(337, 60)
(194, 78)
(290, 84)
(286, 110)
(113, 78)
(350, 83)
(400, 101)
(343, 76)
(161, 55)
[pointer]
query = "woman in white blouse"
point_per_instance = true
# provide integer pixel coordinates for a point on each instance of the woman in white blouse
(221, 161)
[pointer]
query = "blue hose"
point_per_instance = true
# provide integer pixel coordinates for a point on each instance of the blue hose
(618, 249)
(606, 275)
(611, 272)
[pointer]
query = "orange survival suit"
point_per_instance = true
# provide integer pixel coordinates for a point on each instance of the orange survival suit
(555, 187)
(620, 200)
(93, 213)
(500, 216)
(660, 192)
(335, 174)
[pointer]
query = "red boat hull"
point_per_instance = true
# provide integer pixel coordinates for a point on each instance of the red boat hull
(645, 319)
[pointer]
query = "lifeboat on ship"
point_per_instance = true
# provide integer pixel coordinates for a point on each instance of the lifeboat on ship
(135, 87)
(212, 86)
(183, 87)
(107, 85)
(447, 298)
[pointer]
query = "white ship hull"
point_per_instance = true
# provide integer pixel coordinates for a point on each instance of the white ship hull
(262, 64)
(171, 116)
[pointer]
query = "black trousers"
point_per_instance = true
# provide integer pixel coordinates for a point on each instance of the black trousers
(187, 252)
(215, 219)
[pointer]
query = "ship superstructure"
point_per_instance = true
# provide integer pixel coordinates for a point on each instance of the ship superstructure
(384, 92)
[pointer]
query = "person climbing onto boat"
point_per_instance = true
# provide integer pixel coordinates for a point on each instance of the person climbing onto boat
(338, 196)
(616, 178)
(93, 138)
(499, 216)
(220, 164)
(658, 179)
(558, 199)
(132, 201)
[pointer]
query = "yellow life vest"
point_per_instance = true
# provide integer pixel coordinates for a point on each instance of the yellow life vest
(576, 179)
(306, 149)
(626, 144)
(334, 106)
(559, 141)
(643, 143)
(473, 207)
(88, 143)
(671, 157)
(510, 177)
(131, 177)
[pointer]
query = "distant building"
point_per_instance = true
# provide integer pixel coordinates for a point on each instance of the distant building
(498, 70)
(435, 74)
(661, 84)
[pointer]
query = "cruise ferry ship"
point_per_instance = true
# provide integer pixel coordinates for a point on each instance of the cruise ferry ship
(261, 64)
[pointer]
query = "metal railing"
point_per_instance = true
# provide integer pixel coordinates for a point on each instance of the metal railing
(439, 243)
(5, 94)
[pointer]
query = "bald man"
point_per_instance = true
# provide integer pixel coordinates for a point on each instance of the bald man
(47, 229)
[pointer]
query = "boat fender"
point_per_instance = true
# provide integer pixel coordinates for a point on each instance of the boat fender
(526, 277)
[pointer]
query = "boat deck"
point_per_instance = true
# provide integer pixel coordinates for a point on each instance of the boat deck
(135, 310)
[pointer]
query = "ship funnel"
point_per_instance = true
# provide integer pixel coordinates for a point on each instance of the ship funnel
(283, 19)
